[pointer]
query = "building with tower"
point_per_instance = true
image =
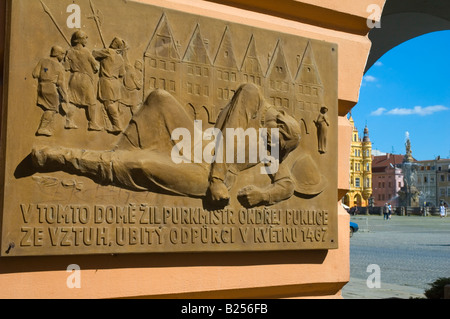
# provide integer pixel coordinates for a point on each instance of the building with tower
(360, 169)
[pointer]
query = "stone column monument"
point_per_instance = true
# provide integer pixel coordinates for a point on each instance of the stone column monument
(409, 193)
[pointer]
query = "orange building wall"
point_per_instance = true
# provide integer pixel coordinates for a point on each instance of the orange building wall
(312, 274)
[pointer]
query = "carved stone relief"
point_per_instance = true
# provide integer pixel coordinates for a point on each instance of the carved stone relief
(131, 153)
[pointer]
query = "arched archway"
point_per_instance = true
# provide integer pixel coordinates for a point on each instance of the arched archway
(346, 200)
(403, 20)
(422, 26)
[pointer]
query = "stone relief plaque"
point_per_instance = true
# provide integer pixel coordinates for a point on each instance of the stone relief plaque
(130, 128)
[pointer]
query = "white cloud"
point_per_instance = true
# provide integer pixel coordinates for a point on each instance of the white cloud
(378, 111)
(370, 78)
(378, 63)
(418, 110)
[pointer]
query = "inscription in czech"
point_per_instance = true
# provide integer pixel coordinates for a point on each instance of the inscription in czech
(166, 132)
(176, 227)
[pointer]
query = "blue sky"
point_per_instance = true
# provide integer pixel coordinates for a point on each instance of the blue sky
(408, 92)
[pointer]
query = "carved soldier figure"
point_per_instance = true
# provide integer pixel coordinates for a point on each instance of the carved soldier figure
(52, 88)
(112, 70)
(82, 65)
(142, 159)
(132, 88)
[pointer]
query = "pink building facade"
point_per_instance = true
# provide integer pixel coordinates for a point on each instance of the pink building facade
(387, 179)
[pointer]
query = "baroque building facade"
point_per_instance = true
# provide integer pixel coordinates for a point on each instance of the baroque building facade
(360, 169)
(433, 182)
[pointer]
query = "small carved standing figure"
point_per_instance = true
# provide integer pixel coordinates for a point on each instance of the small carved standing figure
(52, 88)
(112, 70)
(82, 65)
(322, 124)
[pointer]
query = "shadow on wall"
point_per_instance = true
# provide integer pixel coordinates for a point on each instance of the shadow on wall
(160, 260)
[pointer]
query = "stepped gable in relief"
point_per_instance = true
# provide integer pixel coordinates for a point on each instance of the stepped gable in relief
(278, 79)
(162, 61)
(226, 74)
(197, 81)
(251, 69)
(308, 89)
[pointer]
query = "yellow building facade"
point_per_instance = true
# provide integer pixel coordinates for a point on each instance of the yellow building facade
(360, 169)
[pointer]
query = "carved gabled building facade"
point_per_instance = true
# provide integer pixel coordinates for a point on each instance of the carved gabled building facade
(278, 79)
(209, 84)
(308, 90)
(251, 69)
(162, 61)
(197, 80)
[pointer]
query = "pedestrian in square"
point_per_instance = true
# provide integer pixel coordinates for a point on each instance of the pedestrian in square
(389, 210)
(386, 211)
(442, 210)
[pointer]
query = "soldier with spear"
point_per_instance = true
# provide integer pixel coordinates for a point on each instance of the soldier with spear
(82, 84)
(82, 92)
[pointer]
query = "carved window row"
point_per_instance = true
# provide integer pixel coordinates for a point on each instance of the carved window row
(227, 76)
(278, 101)
(225, 94)
(198, 70)
(161, 83)
(197, 89)
(250, 78)
(308, 90)
(163, 65)
(279, 86)
(301, 105)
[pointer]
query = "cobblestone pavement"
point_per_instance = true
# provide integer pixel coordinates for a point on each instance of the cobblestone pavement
(411, 252)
